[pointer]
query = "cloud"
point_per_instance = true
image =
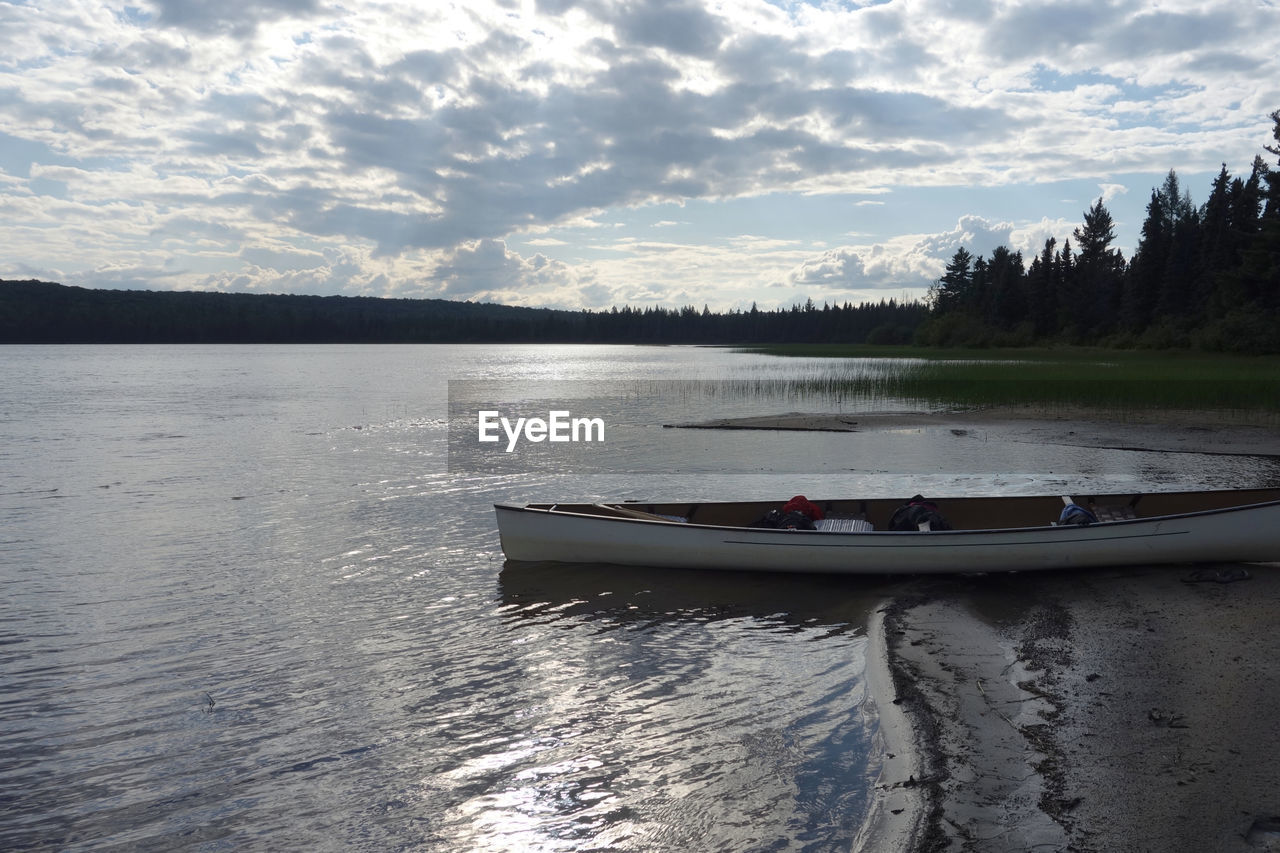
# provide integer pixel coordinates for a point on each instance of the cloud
(118, 277)
(238, 18)
(487, 268)
(1110, 191)
(281, 258)
(839, 268)
(679, 26)
(364, 145)
(1047, 30)
(914, 262)
(183, 227)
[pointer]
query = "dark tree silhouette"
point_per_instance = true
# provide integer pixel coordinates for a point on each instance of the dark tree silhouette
(39, 312)
(1206, 277)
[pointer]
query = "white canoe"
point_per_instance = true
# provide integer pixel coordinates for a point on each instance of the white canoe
(989, 534)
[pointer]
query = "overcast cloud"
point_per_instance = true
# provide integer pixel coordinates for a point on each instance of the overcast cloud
(601, 152)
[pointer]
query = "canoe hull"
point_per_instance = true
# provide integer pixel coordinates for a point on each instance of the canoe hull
(1247, 533)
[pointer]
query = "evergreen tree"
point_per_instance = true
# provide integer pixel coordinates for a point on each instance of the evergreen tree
(1246, 205)
(954, 291)
(1066, 276)
(1097, 276)
(1007, 301)
(1146, 272)
(1180, 296)
(1042, 286)
(979, 288)
(1217, 240)
(1265, 248)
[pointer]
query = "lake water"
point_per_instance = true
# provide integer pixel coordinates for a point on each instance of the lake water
(246, 602)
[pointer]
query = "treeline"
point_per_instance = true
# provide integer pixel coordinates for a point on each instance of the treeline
(1204, 277)
(42, 312)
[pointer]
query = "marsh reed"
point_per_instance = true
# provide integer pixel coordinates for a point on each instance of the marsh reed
(1126, 385)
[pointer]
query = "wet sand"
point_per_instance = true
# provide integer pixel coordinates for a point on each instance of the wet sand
(1092, 711)
(1127, 709)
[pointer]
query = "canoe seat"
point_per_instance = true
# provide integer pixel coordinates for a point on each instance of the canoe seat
(1114, 512)
(844, 525)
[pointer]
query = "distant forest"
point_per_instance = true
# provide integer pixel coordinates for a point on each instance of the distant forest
(41, 312)
(1204, 277)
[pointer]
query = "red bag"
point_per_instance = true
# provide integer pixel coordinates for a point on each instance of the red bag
(802, 504)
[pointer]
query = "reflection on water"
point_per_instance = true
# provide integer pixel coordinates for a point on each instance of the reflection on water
(622, 596)
(677, 711)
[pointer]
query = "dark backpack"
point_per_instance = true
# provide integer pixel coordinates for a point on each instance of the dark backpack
(915, 512)
(779, 520)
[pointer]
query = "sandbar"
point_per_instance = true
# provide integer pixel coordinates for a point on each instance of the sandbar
(1173, 432)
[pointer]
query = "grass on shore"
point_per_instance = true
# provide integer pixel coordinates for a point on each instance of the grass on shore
(1120, 382)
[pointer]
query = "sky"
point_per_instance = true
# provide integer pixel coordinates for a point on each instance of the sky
(593, 153)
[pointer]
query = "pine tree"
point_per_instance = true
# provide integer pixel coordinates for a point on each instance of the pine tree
(1245, 269)
(1180, 297)
(1217, 242)
(1042, 286)
(954, 291)
(979, 287)
(1146, 272)
(1007, 296)
(1098, 274)
(1066, 275)
(1266, 246)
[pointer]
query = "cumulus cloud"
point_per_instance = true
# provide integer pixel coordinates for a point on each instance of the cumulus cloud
(266, 138)
(488, 271)
(912, 263)
(1110, 191)
(839, 269)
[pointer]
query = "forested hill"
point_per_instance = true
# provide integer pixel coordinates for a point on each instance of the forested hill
(42, 312)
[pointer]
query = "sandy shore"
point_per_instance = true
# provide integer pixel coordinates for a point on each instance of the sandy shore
(1108, 710)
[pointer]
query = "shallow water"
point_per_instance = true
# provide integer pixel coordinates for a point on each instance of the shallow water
(246, 603)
